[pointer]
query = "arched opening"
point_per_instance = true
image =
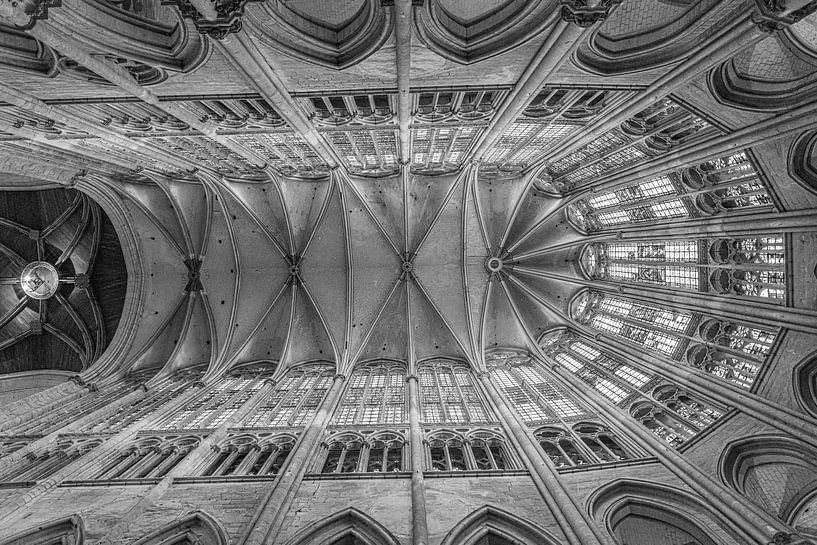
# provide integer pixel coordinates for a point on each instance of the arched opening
(639, 523)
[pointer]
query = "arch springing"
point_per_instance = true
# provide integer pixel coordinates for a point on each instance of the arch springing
(721, 185)
(745, 267)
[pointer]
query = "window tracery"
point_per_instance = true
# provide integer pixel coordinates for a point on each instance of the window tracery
(534, 396)
(477, 451)
(249, 454)
(669, 412)
(294, 400)
(745, 267)
(675, 416)
(730, 351)
(351, 452)
(554, 114)
(375, 395)
(217, 403)
(38, 466)
(583, 443)
(61, 415)
(149, 458)
(156, 396)
(448, 393)
(718, 186)
(662, 126)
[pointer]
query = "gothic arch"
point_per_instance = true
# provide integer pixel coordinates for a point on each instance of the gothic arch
(346, 523)
(66, 531)
(803, 160)
(776, 74)
(623, 44)
(466, 34)
(779, 474)
(196, 527)
(631, 507)
(496, 523)
(314, 32)
(21, 52)
(805, 383)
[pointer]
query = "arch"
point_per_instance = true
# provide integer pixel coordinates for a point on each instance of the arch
(347, 523)
(467, 34)
(803, 160)
(625, 505)
(805, 383)
(779, 474)
(68, 530)
(497, 523)
(622, 44)
(327, 37)
(776, 74)
(196, 527)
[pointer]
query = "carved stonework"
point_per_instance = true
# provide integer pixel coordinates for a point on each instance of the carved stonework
(228, 21)
(769, 15)
(584, 15)
(33, 9)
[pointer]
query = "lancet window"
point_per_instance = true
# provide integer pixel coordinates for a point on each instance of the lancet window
(730, 351)
(249, 454)
(582, 444)
(534, 396)
(720, 185)
(38, 466)
(348, 452)
(448, 393)
(150, 458)
(746, 267)
(614, 379)
(9, 445)
(478, 451)
(662, 126)
(674, 415)
(75, 409)
(341, 110)
(294, 400)
(218, 402)
(156, 396)
(375, 395)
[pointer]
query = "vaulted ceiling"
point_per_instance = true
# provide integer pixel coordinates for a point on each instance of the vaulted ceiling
(310, 180)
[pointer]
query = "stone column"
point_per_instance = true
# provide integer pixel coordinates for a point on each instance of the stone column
(577, 529)
(747, 519)
(419, 524)
(268, 518)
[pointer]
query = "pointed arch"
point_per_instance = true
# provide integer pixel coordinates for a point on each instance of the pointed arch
(346, 523)
(496, 523)
(68, 530)
(805, 383)
(778, 474)
(196, 527)
(630, 508)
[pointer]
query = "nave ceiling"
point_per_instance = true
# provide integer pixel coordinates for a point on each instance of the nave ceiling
(350, 181)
